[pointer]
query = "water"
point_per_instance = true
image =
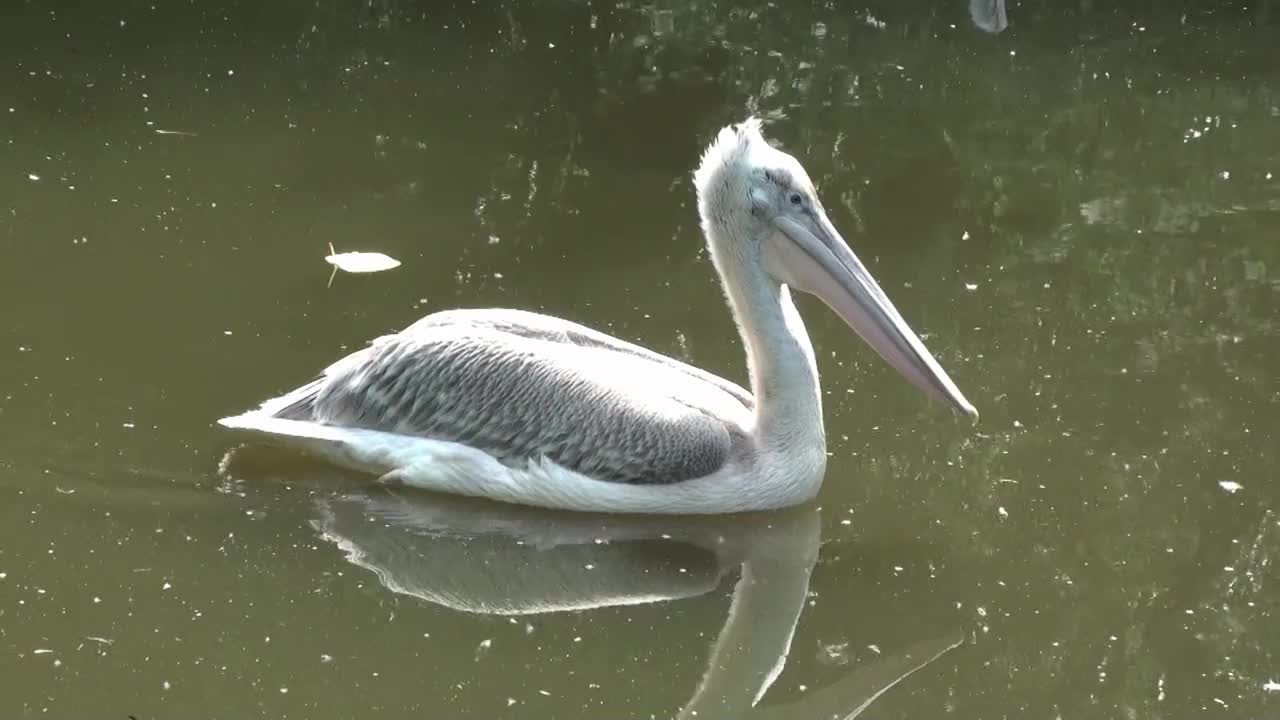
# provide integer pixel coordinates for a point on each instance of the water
(1081, 213)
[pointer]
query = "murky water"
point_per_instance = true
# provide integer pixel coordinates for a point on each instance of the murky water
(1082, 213)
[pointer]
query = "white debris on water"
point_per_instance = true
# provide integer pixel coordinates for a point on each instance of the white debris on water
(362, 262)
(1230, 486)
(834, 654)
(358, 262)
(483, 648)
(1271, 686)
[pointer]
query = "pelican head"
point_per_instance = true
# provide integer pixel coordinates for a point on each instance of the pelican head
(764, 223)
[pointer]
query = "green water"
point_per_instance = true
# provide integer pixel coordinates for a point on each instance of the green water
(1081, 214)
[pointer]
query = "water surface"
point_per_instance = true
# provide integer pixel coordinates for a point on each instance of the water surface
(1080, 212)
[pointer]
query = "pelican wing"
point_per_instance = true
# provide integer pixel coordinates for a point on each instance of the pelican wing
(536, 326)
(522, 394)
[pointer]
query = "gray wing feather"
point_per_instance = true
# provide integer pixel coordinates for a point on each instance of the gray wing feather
(536, 326)
(514, 396)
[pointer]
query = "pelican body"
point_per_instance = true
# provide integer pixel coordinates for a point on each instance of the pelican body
(531, 409)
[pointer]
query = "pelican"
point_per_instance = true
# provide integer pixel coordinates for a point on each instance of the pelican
(530, 409)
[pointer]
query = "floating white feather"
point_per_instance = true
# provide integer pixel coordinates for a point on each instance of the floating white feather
(359, 262)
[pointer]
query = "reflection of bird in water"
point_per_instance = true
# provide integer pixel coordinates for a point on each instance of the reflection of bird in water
(538, 561)
(988, 15)
(532, 409)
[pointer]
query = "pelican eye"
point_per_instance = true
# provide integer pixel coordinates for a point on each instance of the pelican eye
(796, 199)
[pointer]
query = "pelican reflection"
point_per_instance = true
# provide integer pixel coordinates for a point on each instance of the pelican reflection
(543, 561)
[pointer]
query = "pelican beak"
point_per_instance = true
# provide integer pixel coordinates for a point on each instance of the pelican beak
(811, 256)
